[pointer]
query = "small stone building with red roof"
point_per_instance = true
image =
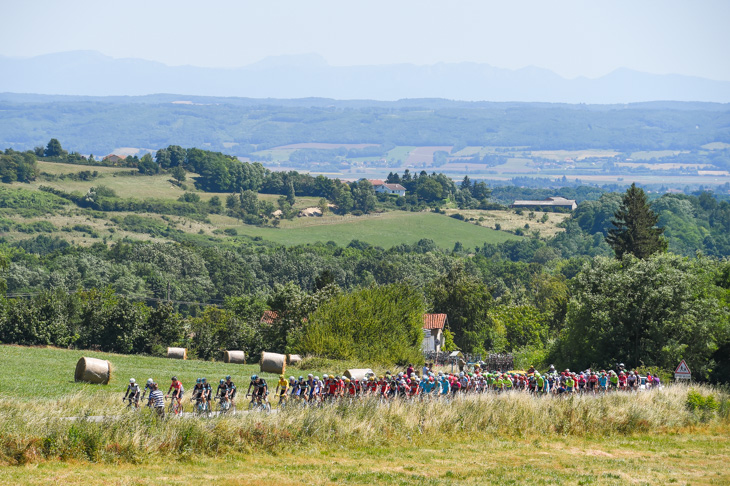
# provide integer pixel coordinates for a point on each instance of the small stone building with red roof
(435, 325)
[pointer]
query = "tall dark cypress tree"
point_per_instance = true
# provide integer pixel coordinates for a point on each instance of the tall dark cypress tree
(635, 228)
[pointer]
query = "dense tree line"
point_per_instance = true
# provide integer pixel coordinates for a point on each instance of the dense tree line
(17, 166)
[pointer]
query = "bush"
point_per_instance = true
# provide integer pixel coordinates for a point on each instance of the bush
(704, 406)
(378, 325)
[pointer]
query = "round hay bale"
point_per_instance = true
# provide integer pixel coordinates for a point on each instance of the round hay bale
(235, 357)
(177, 353)
(93, 370)
(358, 374)
(273, 363)
(293, 359)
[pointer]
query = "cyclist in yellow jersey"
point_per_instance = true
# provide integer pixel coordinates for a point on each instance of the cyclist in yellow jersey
(281, 388)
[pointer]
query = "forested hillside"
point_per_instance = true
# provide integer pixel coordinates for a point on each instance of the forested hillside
(241, 126)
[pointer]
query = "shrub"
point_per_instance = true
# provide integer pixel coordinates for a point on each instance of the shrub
(377, 324)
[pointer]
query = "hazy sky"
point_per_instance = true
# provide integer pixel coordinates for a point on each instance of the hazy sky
(573, 38)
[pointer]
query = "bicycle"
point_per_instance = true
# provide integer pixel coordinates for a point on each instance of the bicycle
(175, 409)
(258, 403)
(131, 403)
(201, 406)
(224, 406)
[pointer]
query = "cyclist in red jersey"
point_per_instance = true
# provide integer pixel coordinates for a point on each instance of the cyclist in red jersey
(177, 390)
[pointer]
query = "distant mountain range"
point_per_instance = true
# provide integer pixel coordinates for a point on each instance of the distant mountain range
(94, 74)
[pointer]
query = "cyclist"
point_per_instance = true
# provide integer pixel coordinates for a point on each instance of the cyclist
(317, 392)
(372, 387)
(613, 380)
(231, 389)
(148, 387)
(631, 381)
(260, 389)
(333, 386)
(177, 390)
(593, 382)
(281, 388)
(157, 399)
(198, 394)
(311, 387)
(207, 390)
(222, 392)
(603, 382)
(132, 392)
(384, 386)
(445, 386)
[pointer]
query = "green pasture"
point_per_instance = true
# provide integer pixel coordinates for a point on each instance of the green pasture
(385, 230)
(48, 373)
(399, 153)
(57, 168)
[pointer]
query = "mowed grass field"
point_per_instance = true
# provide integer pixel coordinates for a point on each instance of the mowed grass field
(39, 373)
(648, 438)
(385, 229)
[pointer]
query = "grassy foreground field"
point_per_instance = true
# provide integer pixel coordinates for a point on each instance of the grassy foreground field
(646, 438)
(689, 458)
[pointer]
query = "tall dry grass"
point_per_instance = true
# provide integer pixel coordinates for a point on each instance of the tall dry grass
(40, 431)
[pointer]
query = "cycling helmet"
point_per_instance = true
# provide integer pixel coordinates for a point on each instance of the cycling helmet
(254, 377)
(228, 377)
(204, 380)
(301, 378)
(150, 381)
(337, 377)
(174, 378)
(316, 378)
(222, 381)
(199, 380)
(281, 377)
(310, 375)
(347, 380)
(291, 378)
(132, 381)
(325, 377)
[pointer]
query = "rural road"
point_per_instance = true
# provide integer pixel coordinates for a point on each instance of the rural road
(187, 415)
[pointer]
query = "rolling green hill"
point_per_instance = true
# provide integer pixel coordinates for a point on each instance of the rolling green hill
(85, 227)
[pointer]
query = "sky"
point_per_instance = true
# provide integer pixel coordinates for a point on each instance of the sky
(587, 38)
